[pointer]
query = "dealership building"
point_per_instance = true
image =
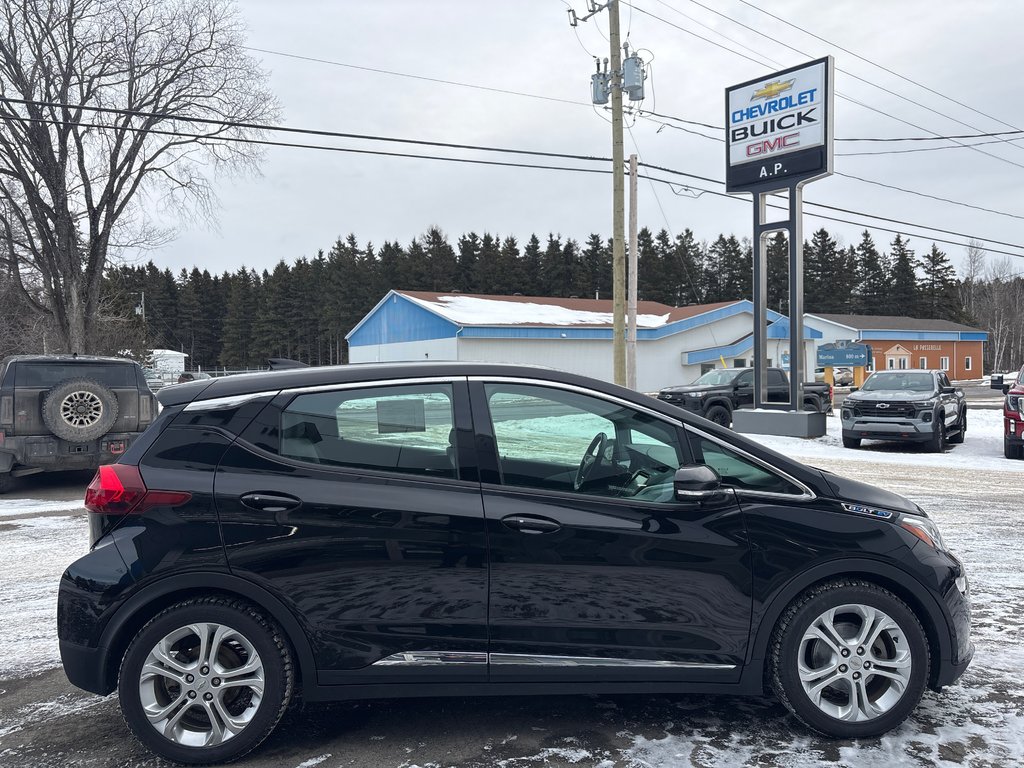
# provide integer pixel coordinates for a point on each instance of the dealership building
(674, 344)
(907, 342)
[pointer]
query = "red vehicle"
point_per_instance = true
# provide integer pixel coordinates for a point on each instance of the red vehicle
(1013, 415)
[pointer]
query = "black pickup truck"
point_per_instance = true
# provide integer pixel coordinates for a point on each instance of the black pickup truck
(717, 393)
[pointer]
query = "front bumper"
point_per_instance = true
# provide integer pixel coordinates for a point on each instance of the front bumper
(692, 404)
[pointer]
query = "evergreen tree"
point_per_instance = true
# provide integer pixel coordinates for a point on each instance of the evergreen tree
(735, 268)
(596, 268)
(902, 297)
(555, 274)
(939, 288)
(686, 259)
(871, 279)
(441, 261)
(531, 283)
(492, 279)
(824, 281)
(238, 323)
(469, 271)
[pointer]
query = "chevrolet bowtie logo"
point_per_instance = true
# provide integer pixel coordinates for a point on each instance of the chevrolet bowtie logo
(771, 90)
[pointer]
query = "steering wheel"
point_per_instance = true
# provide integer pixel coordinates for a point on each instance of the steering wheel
(590, 458)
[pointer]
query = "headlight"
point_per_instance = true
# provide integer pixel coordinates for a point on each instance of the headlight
(1015, 403)
(692, 394)
(926, 403)
(926, 530)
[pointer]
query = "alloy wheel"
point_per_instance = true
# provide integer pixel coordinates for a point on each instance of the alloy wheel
(201, 684)
(854, 662)
(81, 409)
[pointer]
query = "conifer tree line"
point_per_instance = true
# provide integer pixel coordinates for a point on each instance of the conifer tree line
(303, 309)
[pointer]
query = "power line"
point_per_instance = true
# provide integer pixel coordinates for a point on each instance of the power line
(470, 161)
(873, 182)
(917, 149)
(840, 95)
(881, 67)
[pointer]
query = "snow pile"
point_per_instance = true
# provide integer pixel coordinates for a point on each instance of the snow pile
(471, 310)
(35, 553)
(29, 507)
(982, 447)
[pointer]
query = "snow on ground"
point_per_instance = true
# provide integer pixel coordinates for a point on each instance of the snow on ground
(27, 507)
(982, 447)
(35, 551)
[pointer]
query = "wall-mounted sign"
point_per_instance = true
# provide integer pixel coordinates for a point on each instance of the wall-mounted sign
(779, 128)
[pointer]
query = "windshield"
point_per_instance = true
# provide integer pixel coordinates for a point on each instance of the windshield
(903, 382)
(717, 377)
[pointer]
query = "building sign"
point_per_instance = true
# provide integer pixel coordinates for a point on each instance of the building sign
(844, 354)
(779, 128)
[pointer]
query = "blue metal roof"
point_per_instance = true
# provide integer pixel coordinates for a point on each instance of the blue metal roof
(396, 319)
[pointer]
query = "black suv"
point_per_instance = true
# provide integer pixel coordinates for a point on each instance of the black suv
(457, 529)
(68, 412)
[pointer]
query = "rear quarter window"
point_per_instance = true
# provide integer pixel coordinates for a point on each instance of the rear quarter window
(46, 375)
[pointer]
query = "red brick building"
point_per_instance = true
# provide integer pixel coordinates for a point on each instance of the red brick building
(909, 342)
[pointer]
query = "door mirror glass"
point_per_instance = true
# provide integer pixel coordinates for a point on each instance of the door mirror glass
(948, 390)
(696, 482)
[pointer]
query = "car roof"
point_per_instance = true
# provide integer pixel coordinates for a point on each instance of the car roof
(65, 359)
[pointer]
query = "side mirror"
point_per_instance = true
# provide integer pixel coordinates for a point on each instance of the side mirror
(696, 482)
(854, 389)
(997, 382)
(949, 390)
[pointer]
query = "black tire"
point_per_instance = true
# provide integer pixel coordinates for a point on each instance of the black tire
(264, 636)
(787, 646)
(851, 442)
(6, 482)
(720, 415)
(79, 410)
(937, 443)
(1012, 451)
(812, 404)
(961, 429)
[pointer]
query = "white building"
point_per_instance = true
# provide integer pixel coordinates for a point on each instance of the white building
(168, 360)
(674, 344)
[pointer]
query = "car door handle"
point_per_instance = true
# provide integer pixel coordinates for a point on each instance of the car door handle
(531, 524)
(270, 502)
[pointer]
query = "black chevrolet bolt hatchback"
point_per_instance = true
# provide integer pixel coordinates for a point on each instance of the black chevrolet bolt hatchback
(459, 529)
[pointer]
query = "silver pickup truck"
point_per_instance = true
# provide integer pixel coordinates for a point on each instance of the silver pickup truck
(910, 406)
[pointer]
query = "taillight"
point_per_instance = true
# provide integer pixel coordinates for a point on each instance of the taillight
(145, 409)
(118, 489)
(7, 410)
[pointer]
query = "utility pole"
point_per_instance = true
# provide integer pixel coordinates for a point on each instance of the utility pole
(618, 202)
(626, 76)
(633, 277)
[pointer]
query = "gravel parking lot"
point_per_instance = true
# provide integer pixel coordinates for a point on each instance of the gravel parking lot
(978, 723)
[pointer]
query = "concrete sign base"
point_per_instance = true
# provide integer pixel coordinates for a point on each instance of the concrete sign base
(781, 423)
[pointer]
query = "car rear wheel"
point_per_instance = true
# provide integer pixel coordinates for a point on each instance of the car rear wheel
(206, 680)
(961, 427)
(719, 414)
(6, 482)
(849, 659)
(79, 410)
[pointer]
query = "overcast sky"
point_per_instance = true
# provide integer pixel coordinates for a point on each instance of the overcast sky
(304, 199)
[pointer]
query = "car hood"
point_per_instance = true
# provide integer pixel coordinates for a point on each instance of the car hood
(857, 492)
(891, 394)
(693, 388)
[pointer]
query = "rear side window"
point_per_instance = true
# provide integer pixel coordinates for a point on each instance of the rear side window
(45, 375)
(407, 429)
(775, 378)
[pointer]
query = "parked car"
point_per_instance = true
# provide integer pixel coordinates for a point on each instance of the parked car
(65, 412)
(1013, 413)
(910, 406)
(841, 377)
(431, 529)
(718, 393)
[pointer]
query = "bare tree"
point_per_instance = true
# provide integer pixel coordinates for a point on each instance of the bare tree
(114, 114)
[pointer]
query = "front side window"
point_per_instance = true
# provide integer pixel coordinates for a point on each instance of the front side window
(736, 470)
(407, 429)
(565, 441)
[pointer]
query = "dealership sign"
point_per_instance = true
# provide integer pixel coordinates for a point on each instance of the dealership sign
(779, 128)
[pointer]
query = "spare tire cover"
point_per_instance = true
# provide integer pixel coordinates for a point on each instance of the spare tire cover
(79, 410)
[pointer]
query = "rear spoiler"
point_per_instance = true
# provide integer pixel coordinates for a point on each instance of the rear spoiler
(176, 394)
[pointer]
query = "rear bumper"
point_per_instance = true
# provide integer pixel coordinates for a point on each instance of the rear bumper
(51, 454)
(86, 668)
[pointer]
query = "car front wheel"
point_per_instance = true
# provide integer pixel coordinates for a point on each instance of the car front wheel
(205, 681)
(849, 659)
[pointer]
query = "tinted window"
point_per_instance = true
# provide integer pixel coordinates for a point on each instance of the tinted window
(545, 437)
(736, 470)
(408, 429)
(745, 379)
(45, 375)
(775, 378)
